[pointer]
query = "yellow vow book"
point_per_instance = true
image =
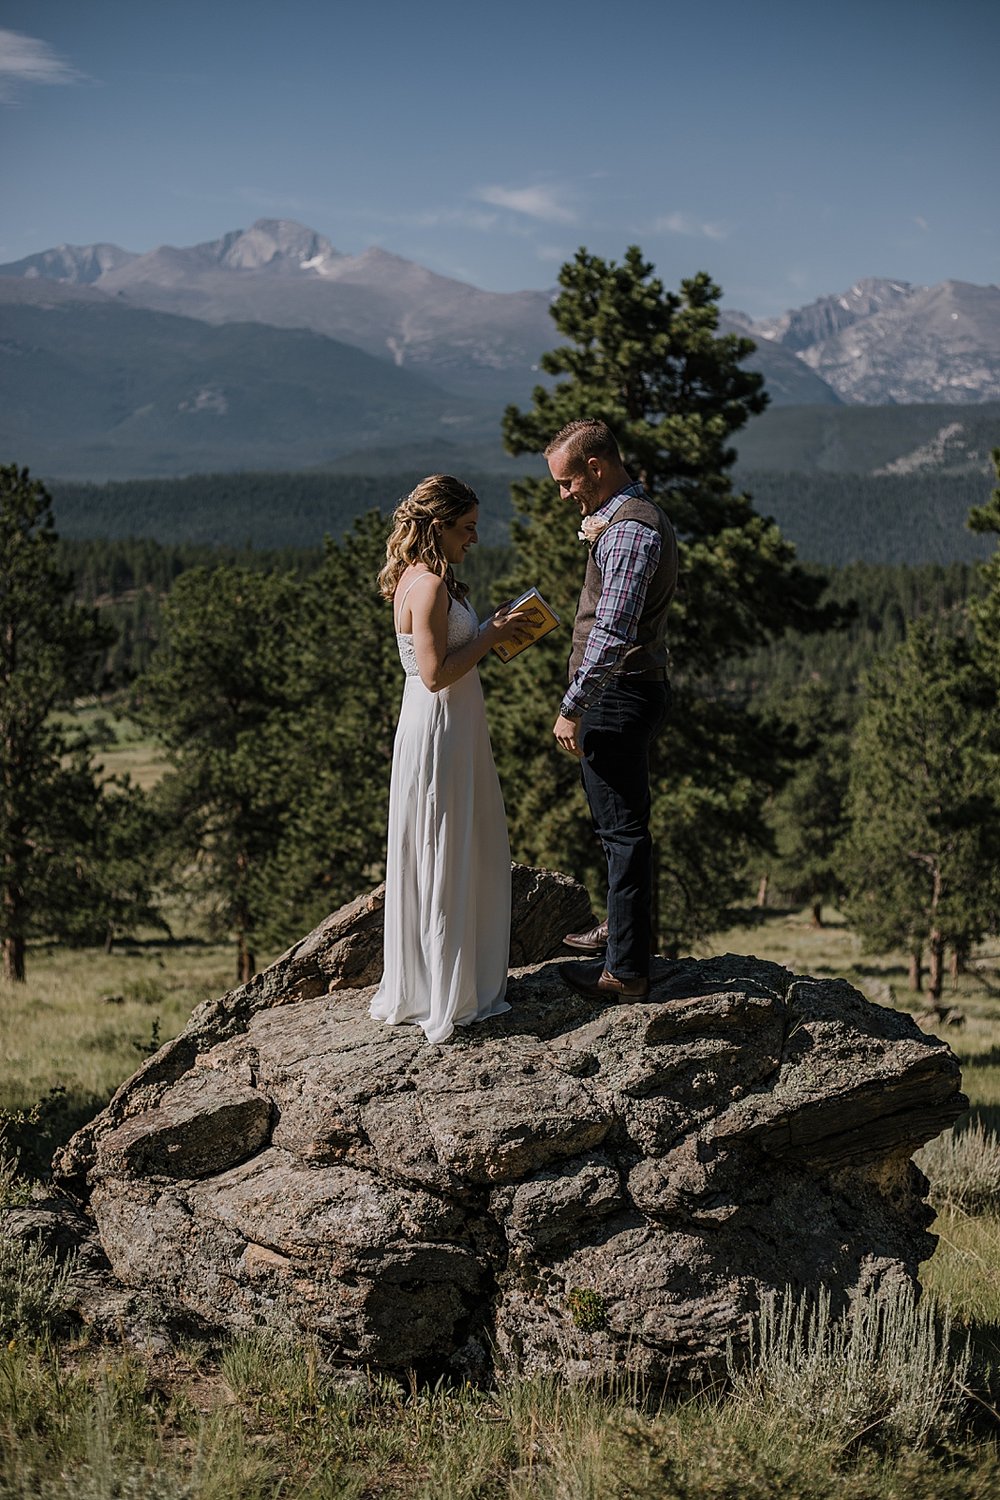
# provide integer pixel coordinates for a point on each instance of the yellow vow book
(540, 618)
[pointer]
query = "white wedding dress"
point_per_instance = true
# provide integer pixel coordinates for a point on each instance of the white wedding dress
(447, 885)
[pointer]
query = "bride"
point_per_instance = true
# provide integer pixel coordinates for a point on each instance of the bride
(447, 889)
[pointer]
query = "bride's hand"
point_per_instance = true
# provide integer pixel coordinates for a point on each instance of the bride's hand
(512, 627)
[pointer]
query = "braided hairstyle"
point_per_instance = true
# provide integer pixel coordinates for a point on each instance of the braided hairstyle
(414, 536)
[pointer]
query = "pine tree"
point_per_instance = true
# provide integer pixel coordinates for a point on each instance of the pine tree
(985, 612)
(116, 878)
(922, 852)
(652, 365)
(809, 816)
(334, 740)
(49, 647)
(212, 691)
(277, 699)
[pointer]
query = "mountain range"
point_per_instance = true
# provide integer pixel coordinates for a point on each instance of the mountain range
(886, 342)
(270, 348)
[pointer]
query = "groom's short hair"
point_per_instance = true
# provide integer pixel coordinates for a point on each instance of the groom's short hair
(587, 438)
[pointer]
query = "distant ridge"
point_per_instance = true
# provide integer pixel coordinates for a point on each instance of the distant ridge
(93, 388)
(934, 437)
(268, 348)
(473, 342)
(833, 519)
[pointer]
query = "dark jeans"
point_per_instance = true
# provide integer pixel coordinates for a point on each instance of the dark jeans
(615, 736)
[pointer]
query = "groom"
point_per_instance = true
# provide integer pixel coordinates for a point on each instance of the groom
(618, 691)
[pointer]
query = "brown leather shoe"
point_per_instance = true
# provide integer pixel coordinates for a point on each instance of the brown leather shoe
(602, 986)
(594, 940)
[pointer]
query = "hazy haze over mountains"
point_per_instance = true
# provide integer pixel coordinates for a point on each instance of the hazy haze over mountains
(478, 343)
(94, 387)
(268, 347)
(882, 341)
(285, 275)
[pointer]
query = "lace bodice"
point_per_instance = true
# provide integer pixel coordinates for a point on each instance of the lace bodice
(463, 623)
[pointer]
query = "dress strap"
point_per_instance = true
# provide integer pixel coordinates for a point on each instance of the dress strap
(409, 586)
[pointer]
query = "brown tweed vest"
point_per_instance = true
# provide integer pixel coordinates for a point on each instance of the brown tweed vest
(648, 657)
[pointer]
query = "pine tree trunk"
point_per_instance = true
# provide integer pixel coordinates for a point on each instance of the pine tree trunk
(246, 966)
(762, 889)
(109, 939)
(817, 914)
(13, 959)
(916, 970)
(935, 959)
(12, 924)
(959, 960)
(935, 969)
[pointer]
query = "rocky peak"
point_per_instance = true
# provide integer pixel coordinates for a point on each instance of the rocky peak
(277, 243)
(804, 326)
(76, 265)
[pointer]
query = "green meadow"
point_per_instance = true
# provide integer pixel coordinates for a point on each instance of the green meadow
(255, 1418)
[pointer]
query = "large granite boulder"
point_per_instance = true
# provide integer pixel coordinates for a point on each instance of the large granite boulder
(343, 953)
(570, 1188)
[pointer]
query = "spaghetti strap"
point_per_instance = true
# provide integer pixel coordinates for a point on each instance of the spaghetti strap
(409, 586)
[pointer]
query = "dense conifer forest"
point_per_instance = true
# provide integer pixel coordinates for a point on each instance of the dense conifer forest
(129, 579)
(270, 511)
(833, 519)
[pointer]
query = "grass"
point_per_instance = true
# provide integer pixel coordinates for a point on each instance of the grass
(964, 1166)
(83, 1022)
(122, 746)
(254, 1420)
(259, 1424)
(885, 1365)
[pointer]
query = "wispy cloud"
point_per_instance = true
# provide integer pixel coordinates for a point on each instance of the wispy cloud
(534, 202)
(24, 60)
(553, 254)
(921, 222)
(687, 224)
(458, 218)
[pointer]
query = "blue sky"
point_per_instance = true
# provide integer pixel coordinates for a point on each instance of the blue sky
(786, 148)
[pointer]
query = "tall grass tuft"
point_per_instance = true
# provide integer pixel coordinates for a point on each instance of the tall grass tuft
(116, 1482)
(964, 1168)
(15, 1191)
(882, 1372)
(34, 1290)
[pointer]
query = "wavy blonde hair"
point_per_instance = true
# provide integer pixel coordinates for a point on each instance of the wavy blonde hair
(414, 536)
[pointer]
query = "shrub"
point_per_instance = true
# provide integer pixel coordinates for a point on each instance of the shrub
(587, 1309)
(882, 1372)
(131, 1482)
(34, 1290)
(13, 1188)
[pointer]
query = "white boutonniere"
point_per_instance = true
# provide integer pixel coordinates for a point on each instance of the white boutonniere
(591, 528)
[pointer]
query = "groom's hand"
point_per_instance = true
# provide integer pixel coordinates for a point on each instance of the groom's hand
(566, 731)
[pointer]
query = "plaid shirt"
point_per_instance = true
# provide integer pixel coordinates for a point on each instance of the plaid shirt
(627, 556)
